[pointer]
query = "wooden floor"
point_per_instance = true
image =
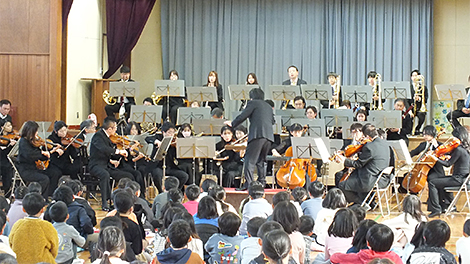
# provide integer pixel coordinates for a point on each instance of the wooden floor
(455, 220)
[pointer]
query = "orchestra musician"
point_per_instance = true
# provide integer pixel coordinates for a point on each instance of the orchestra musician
(5, 107)
(439, 199)
(64, 160)
(251, 79)
(88, 127)
(175, 101)
(168, 130)
(299, 102)
(6, 167)
(260, 135)
(294, 79)
(29, 151)
(368, 165)
(147, 101)
(295, 130)
(332, 79)
(105, 159)
(417, 98)
(125, 102)
(361, 115)
(230, 159)
(463, 109)
(186, 165)
(311, 112)
(356, 134)
(372, 81)
(401, 133)
(213, 81)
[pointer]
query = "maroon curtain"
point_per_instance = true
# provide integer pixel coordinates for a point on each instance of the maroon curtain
(66, 6)
(125, 20)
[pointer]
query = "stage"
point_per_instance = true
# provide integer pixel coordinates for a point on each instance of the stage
(235, 197)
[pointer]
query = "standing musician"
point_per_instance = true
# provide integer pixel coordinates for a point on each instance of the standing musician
(260, 135)
(5, 148)
(65, 161)
(294, 79)
(439, 199)
(406, 123)
(213, 81)
(369, 164)
(357, 135)
(5, 107)
(175, 101)
(332, 80)
(105, 159)
(125, 102)
(419, 94)
(171, 162)
(463, 109)
(29, 152)
(230, 159)
(372, 80)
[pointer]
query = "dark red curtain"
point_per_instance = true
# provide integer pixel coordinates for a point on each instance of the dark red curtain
(66, 6)
(125, 20)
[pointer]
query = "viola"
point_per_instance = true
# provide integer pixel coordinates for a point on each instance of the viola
(71, 140)
(292, 173)
(418, 176)
(350, 151)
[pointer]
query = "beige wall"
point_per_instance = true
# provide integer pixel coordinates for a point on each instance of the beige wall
(83, 56)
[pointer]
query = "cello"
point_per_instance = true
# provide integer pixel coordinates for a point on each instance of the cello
(418, 176)
(292, 173)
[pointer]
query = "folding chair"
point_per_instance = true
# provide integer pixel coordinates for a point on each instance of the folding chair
(459, 190)
(381, 192)
(16, 175)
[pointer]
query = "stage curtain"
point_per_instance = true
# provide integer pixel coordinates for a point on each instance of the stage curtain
(66, 6)
(350, 37)
(125, 20)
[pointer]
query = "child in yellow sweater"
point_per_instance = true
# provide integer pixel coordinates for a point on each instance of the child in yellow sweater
(32, 239)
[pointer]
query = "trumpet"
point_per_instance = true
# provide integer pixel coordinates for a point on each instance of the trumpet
(377, 92)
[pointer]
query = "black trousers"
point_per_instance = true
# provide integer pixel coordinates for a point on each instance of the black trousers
(137, 176)
(7, 177)
(421, 117)
(255, 156)
(48, 179)
(452, 117)
(439, 199)
(157, 175)
(105, 174)
(173, 113)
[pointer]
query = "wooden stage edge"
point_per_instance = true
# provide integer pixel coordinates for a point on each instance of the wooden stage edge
(236, 197)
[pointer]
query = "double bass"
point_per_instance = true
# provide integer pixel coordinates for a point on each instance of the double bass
(292, 174)
(418, 176)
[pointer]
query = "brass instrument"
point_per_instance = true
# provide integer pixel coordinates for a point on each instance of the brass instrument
(419, 90)
(156, 99)
(337, 90)
(148, 127)
(377, 92)
(284, 105)
(108, 99)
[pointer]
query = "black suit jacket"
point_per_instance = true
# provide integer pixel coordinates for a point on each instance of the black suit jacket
(460, 158)
(461, 102)
(371, 161)
(412, 100)
(101, 150)
(299, 82)
(406, 127)
(4, 120)
(261, 118)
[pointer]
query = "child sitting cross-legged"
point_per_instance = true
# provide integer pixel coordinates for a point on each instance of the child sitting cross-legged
(250, 247)
(223, 247)
(111, 245)
(179, 235)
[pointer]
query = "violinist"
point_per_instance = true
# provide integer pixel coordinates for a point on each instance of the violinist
(356, 134)
(105, 159)
(64, 160)
(88, 127)
(5, 106)
(439, 199)
(186, 165)
(401, 133)
(29, 151)
(229, 158)
(168, 130)
(368, 165)
(136, 164)
(6, 167)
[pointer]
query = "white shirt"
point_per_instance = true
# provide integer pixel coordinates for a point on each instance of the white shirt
(462, 248)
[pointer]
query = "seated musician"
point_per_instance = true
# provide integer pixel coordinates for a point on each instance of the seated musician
(439, 200)
(147, 101)
(369, 164)
(356, 134)
(168, 130)
(175, 101)
(299, 102)
(295, 130)
(332, 80)
(217, 113)
(6, 167)
(401, 133)
(186, 165)
(463, 109)
(88, 127)
(311, 112)
(105, 159)
(29, 152)
(65, 160)
(231, 166)
(5, 106)
(125, 102)
(361, 115)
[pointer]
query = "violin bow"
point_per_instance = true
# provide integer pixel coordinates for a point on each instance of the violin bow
(74, 137)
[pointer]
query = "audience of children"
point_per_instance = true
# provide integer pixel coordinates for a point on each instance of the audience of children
(77, 188)
(300, 195)
(313, 205)
(250, 247)
(224, 247)
(359, 241)
(206, 220)
(463, 244)
(16, 209)
(334, 200)
(306, 229)
(257, 206)
(218, 193)
(170, 182)
(111, 245)
(340, 233)
(192, 193)
(195, 244)
(206, 186)
(4, 242)
(277, 247)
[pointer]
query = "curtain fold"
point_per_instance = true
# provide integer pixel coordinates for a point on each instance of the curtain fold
(125, 20)
(66, 6)
(350, 37)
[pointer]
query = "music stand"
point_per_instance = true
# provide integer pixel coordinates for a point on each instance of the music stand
(240, 92)
(277, 127)
(169, 88)
(289, 114)
(208, 126)
(316, 91)
(202, 94)
(336, 117)
(386, 119)
(284, 92)
(310, 148)
(394, 90)
(161, 152)
(401, 150)
(189, 114)
(335, 145)
(146, 113)
(315, 127)
(126, 89)
(357, 93)
(347, 127)
(195, 147)
(44, 127)
(450, 92)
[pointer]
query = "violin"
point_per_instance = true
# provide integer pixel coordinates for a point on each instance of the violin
(350, 151)
(71, 140)
(48, 144)
(123, 142)
(418, 176)
(292, 173)
(5, 139)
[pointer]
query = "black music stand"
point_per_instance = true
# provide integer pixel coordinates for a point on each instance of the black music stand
(394, 90)
(289, 114)
(357, 93)
(202, 94)
(196, 147)
(208, 126)
(190, 114)
(161, 152)
(386, 119)
(315, 127)
(167, 88)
